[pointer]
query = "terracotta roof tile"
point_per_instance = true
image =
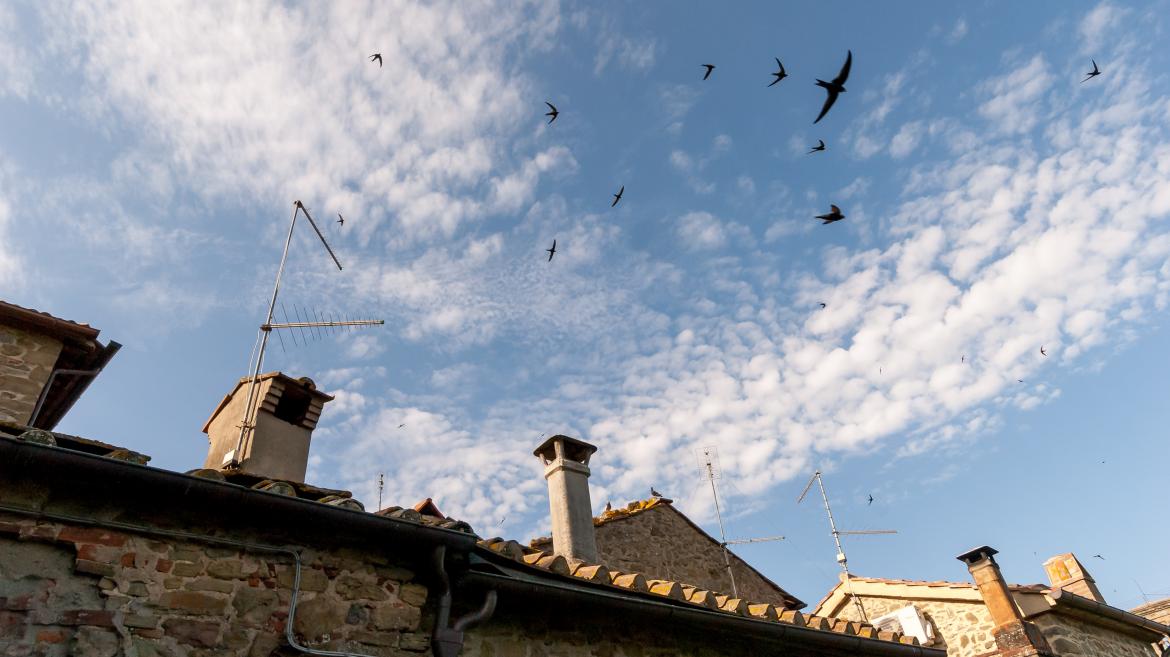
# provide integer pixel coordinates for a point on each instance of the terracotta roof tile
(762, 610)
(1026, 588)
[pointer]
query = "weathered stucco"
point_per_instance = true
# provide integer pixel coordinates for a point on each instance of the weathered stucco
(26, 361)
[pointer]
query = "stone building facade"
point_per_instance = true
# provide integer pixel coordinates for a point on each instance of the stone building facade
(101, 555)
(34, 344)
(1063, 624)
(653, 537)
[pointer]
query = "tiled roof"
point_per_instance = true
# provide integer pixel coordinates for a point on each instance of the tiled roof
(75, 443)
(42, 318)
(680, 592)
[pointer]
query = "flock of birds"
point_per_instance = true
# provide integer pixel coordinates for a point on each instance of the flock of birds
(833, 89)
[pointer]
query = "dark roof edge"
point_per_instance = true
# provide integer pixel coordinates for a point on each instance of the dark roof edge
(1070, 600)
(61, 329)
(576, 593)
(57, 406)
(20, 459)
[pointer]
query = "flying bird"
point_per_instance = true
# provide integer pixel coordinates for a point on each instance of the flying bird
(617, 197)
(835, 215)
(401, 425)
(822, 304)
(1093, 73)
(819, 147)
(553, 251)
(779, 75)
(608, 506)
(1099, 557)
(377, 57)
(837, 86)
(963, 359)
(340, 219)
(709, 67)
(1042, 352)
(870, 500)
(654, 493)
(552, 112)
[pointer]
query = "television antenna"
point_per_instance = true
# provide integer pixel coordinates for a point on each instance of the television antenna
(256, 360)
(709, 460)
(381, 483)
(837, 534)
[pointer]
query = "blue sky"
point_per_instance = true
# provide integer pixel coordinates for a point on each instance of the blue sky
(150, 157)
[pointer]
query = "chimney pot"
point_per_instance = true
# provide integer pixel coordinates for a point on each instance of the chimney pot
(566, 469)
(1067, 573)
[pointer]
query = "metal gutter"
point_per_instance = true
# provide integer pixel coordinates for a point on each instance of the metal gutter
(530, 586)
(144, 486)
(1080, 603)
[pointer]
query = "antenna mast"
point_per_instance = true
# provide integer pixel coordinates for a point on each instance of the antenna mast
(266, 328)
(381, 483)
(709, 458)
(841, 559)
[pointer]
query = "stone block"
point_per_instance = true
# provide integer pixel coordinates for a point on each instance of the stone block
(94, 642)
(209, 584)
(186, 569)
(312, 580)
(414, 642)
(96, 617)
(193, 602)
(94, 568)
(226, 569)
(413, 594)
(193, 632)
(142, 621)
(350, 587)
(396, 617)
(255, 606)
(319, 618)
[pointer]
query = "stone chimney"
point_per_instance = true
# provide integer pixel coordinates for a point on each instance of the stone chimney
(1013, 635)
(281, 425)
(1065, 572)
(566, 468)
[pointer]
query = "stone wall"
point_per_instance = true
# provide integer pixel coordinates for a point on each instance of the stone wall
(962, 628)
(68, 590)
(1072, 637)
(26, 360)
(662, 544)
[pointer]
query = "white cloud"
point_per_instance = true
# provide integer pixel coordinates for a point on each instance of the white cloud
(958, 31)
(1097, 23)
(906, 139)
(1014, 101)
(702, 231)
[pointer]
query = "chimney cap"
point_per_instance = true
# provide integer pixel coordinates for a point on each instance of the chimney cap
(982, 552)
(576, 450)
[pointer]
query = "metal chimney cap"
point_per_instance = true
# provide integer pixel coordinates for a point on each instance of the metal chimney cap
(575, 450)
(978, 554)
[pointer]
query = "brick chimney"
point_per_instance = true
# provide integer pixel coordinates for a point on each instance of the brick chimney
(1013, 635)
(280, 427)
(1065, 572)
(566, 469)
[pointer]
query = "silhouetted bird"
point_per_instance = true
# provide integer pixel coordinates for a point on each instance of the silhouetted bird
(1099, 557)
(340, 219)
(779, 75)
(835, 215)
(1042, 352)
(608, 506)
(870, 500)
(401, 425)
(1019, 380)
(709, 67)
(1093, 73)
(377, 57)
(654, 493)
(553, 251)
(617, 197)
(837, 86)
(819, 147)
(552, 111)
(822, 304)
(963, 359)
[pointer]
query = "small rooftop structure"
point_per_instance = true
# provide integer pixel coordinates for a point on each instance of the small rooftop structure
(280, 427)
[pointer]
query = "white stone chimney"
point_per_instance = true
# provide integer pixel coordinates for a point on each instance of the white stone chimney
(1066, 572)
(566, 468)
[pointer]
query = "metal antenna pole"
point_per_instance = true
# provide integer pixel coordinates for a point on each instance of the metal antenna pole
(244, 423)
(841, 559)
(722, 535)
(381, 482)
